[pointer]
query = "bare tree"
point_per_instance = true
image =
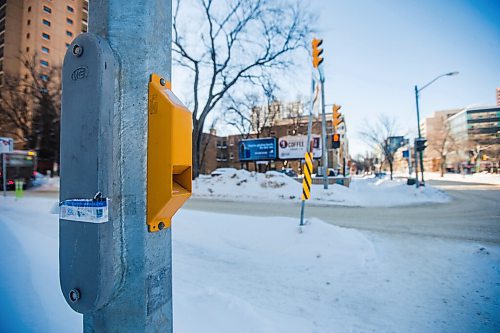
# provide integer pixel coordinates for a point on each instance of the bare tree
(30, 106)
(378, 137)
(238, 40)
(442, 144)
(239, 113)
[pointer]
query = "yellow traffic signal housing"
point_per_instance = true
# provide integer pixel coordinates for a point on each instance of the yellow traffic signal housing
(317, 52)
(169, 154)
(337, 116)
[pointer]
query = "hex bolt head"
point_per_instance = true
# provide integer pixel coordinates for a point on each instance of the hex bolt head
(77, 50)
(161, 225)
(162, 81)
(74, 295)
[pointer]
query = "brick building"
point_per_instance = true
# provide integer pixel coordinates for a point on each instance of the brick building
(38, 27)
(223, 151)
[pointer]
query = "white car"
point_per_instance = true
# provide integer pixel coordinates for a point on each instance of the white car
(222, 171)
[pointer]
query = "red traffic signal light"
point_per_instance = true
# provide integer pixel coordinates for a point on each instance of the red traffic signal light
(336, 141)
(317, 52)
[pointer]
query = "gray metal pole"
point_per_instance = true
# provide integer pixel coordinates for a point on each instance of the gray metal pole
(139, 33)
(324, 149)
(419, 136)
(409, 161)
(4, 175)
(416, 168)
(309, 129)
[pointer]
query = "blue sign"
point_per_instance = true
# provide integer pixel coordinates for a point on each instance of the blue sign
(257, 149)
(406, 154)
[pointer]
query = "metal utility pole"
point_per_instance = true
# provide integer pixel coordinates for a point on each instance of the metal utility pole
(417, 94)
(134, 286)
(309, 150)
(4, 175)
(324, 149)
(421, 153)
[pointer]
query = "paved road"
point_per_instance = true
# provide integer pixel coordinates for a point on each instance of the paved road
(473, 214)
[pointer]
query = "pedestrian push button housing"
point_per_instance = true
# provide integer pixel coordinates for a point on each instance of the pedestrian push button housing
(169, 162)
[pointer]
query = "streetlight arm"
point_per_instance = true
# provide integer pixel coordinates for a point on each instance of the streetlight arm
(440, 76)
(428, 84)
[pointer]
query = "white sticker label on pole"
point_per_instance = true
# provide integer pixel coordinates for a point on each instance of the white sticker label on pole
(84, 210)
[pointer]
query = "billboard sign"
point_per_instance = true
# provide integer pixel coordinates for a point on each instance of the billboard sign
(257, 149)
(395, 142)
(6, 145)
(295, 147)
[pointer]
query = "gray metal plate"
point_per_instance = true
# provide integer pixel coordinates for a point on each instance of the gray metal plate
(85, 249)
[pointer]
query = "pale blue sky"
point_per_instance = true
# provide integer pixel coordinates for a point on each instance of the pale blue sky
(376, 51)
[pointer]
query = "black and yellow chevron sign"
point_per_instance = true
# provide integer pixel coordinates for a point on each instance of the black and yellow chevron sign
(306, 183)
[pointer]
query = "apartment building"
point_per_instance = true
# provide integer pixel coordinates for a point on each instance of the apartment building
(40, 30)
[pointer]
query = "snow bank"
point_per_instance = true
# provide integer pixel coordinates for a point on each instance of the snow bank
(274, 186)
(45, 184)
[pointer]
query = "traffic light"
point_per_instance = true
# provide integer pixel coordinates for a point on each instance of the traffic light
(337, 116)
(420, 144)
(317, 52)
(336, 141)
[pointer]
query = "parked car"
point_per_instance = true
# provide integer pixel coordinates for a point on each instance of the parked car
(222, 171)
(289, 172)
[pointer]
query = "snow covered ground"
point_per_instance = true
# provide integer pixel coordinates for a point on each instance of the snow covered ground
(246, 274)
(482, 178)
(241, 185)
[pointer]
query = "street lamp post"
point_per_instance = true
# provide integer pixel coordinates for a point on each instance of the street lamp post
(417, 94)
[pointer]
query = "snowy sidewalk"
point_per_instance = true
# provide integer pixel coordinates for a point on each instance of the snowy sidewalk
(247, 274)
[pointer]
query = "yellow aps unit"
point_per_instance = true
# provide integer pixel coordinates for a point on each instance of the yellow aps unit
(169, 154)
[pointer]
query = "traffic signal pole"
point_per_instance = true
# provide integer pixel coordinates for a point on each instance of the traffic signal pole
(421, 156)
(139, 34)
(323, 132)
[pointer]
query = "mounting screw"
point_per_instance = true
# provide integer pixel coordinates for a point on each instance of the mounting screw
(161, 225)
(162, 81)
(74, 295)
(77, 50)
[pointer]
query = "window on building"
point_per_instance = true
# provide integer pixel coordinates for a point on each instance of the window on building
(69, 21)
(44, 63)
(47, 9)
(69, 33)
(29, 22)
(28, 35)
(29, 9)
(231, 156)
(45, 36)
(27, 48)
(70, 9)
(45, 49)
(46, 22)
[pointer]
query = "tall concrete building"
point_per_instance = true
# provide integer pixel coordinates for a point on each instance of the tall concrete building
(435, 130)
(44, 28)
